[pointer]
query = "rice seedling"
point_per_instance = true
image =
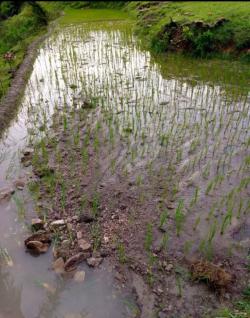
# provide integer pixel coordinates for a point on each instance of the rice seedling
(179, 217)
(96, 236)
(148, 237)
(121, 253)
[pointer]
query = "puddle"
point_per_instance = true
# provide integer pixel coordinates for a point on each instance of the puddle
(171, 113)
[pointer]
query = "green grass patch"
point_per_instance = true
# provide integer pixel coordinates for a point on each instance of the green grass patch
(154, 19)
(16, 33)
(92, 15)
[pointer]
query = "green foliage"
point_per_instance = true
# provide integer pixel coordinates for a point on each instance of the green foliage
(16, 33)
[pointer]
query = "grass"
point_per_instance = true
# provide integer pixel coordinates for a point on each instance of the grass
(154, 20)
(91, 15)
(16, 33)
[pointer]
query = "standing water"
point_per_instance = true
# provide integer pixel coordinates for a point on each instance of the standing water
(156, 109)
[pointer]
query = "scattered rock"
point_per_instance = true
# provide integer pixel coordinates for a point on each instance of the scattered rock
(5, 194)
(84, 245)
(69, 227)
(41, 236)
(74, 260)
(79, 235)
(65, 243)
(94, 261)
(56, 224)
(37, 224)
(38, 243)
(169, 267)
(86, 217)
(37, 247)
(58, 265)
(79, 276)
(19, 184)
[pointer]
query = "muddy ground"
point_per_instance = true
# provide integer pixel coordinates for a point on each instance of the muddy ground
(103, 210)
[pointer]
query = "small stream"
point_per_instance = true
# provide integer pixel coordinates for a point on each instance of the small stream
(135, 95)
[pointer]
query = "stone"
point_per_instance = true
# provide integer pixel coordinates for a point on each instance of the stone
(79, 235)
(74, 260)
(57, 223)
(79, 276)
(169, 267)
(37, 224)
(6, 193)
(41, 236)
(65, 243)
(86, 217)
(69, 227)
(58, 265)
(19, 184)
(94, 261)
(84, 245)
(37, 247)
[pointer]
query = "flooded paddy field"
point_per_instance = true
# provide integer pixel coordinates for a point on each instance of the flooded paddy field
(147, 157)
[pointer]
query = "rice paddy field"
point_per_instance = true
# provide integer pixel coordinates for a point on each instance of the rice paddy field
(155, 150)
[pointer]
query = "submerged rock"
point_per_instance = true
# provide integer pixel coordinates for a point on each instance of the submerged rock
(38, 243)
(5, 194)
(74, 260)
(79, 276)
(19, 184)
(84, 245)
(58, 265)
(37, 247)
(37, 224)
(94, 261)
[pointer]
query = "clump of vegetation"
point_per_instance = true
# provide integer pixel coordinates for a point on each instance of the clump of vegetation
(211, 274)
(19, 22)
(201, 29)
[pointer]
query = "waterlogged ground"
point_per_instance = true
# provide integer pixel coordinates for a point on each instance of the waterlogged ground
(156, 148)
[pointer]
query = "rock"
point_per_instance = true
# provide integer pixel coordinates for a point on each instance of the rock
(19, 184)
(72, 262)
(170, 206)
(79, 276)
(69, 227)
(65, 243)
(157, 245)
(105, 239)
(37, 224)
(84, 245)
(56, 224)
(163, 228)
(161, 314)
(94, 261)
(5, 194)
(37, 247)
(79, 235)
(27, 157)
(38, 242)
(58, 265)
(41, 236)
(86, 217)
(28, 151)
(169, 267)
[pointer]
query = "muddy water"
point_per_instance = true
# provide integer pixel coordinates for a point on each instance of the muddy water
(172, 112)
